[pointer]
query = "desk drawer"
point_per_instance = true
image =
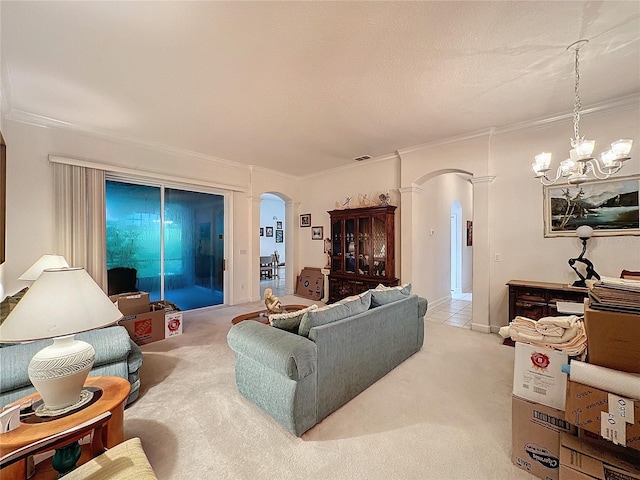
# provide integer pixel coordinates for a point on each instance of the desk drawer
(531, 295)
(530, 310)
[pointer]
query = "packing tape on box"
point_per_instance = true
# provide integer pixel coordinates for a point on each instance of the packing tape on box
(620, 383)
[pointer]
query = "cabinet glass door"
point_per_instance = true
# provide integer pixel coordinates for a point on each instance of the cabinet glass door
(336, 246)
(349, 240)
(379, 247)
(364, 245)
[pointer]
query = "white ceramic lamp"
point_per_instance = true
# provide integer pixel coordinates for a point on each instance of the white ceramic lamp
(60, 303)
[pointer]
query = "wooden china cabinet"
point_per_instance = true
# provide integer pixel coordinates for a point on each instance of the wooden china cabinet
(362, 250)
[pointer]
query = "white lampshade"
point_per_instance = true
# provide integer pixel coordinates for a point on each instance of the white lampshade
(44, 262)
(60, 302)
(584, 231)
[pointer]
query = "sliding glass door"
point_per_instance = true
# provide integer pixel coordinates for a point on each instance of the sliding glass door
(173, 238)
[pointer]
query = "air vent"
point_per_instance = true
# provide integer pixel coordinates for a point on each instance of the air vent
(363, 157)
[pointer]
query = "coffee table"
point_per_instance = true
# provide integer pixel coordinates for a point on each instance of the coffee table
(113, 395)
(262, 316)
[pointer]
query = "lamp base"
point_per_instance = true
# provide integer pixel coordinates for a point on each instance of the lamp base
(59, 371)
(85, 398)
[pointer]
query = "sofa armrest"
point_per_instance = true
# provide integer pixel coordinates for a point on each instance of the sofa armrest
(422, 306)
(286, 353)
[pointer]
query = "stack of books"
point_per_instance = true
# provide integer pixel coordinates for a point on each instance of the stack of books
(615, 294)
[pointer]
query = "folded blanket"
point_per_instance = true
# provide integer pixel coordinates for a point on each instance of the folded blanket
(561, 333)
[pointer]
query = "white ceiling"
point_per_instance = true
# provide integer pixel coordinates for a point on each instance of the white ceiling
(305, 86)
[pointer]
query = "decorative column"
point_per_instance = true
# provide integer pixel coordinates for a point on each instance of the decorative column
(407, 196)
(481, 256)
(291, 235)
(254, 258)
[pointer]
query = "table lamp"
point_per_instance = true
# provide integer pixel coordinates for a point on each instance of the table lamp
(48, 260)
(59, 304)
(584, 233)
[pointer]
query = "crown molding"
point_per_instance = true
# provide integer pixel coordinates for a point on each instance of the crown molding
(269, 171)
(611, 106)
(351, 166)
(617, 104)
(47, 122)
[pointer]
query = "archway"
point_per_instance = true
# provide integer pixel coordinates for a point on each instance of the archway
(414, 231)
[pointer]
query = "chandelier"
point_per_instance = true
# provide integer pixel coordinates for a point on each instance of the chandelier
(581, 163)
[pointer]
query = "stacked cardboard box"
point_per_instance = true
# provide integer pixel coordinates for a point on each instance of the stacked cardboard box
(146, 322)
(586, 458)
(538, 419)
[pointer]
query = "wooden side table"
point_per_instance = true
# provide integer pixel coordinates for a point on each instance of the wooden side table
(114, 393)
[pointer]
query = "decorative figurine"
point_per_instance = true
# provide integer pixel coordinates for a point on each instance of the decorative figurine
(272, 302)
(384, 198)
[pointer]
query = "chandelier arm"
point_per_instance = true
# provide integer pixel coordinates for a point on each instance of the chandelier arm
(597, 171)
(547, 182)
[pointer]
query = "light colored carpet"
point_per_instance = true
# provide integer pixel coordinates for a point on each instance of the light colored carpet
(445, 413)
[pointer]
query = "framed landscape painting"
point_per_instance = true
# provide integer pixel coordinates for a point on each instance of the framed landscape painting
(610, 207)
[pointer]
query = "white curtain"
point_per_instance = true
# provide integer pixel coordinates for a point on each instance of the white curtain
(80, 218)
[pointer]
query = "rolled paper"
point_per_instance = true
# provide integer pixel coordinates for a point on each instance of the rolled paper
(613, 381)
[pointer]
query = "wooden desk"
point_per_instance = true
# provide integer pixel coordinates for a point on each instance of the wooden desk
(115, 391)
(538, 299)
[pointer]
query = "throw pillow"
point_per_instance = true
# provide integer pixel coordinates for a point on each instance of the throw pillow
(334, 312)
(290, 320)
(382, 295)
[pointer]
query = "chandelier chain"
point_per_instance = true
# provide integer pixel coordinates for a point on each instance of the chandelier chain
(576, 104)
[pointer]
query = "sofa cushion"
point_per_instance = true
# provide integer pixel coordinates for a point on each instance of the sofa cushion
(289, 321)
(382, 295)
(334, 312)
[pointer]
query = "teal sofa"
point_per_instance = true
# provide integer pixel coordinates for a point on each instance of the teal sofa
(300, 379)
(116, 355)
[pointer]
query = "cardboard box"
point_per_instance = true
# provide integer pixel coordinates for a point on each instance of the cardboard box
(535, 431)
(588, 458)
(603, 413)
(173, 324)
(538, 376)
(145, 327)
(310, 283)
(613, 339)
(131, 303)
(567, 473)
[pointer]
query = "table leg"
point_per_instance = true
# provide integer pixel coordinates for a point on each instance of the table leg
(115, 427)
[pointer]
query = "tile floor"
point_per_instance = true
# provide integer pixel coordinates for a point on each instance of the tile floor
(276, 284)
(455, 312)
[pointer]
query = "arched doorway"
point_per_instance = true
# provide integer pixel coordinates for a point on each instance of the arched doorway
(441, 261)
(272, 244)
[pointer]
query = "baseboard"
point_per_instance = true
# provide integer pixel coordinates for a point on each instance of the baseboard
(439, 301)
(479, 327)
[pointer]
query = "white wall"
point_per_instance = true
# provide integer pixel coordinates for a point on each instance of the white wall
(30, 229)
(514, 224)
(321, 193)
(507, 211)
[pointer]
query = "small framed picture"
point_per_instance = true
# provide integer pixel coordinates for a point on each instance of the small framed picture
(279, 236)
(269, 231)
(317, 233)
(262, 231)
(305, 220)
(279, 225)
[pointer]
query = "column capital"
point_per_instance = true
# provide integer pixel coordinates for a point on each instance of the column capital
(411, 189)
(486, 179)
